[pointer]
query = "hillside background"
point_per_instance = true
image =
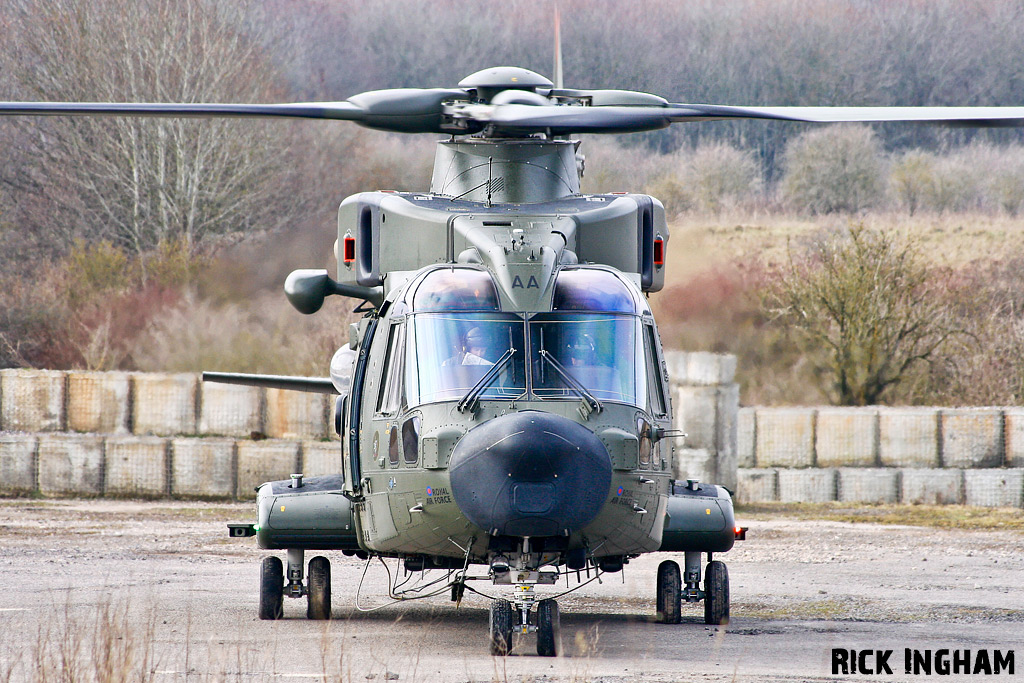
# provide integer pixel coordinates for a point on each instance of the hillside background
(162, 245)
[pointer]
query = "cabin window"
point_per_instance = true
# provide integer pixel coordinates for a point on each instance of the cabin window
(449, 354)
(656, 397)
(455, 289)
(597, 350)
(646, 444)
(394, 446)
(411, 440)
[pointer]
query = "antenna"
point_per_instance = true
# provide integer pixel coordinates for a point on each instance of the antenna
(558, 51)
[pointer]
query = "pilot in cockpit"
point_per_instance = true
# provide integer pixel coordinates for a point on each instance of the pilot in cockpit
(475, 349)
(580, 350)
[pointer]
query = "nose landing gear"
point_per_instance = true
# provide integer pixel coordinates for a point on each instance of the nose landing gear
(671, 592)
(508, 617)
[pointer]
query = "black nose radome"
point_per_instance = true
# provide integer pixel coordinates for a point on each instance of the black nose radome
(530, 474)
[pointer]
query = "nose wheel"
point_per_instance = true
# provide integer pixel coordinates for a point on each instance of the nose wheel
(502, 618)
(509, 617)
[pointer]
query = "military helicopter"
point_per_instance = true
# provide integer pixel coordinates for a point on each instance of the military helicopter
(503, 402)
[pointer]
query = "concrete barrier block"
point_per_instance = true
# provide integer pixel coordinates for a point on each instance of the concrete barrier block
(165, 405)
(696, 411)
(99, 402)
(994, 488)
(972, 437)
(785, 437)
(32, 400)
(932, 486)
(17, 464)
(695, 463)
(263, 461)
(757, 485)
(908, 437)
(700, 367)
(136, 466)
(846, 437)
(728, 405)
(230, 409)
(1014, 436)
(807, 486)
(296, 414)
(321, 457)
(746, 438)
(70, 464)
(203, 468)
(868, 485)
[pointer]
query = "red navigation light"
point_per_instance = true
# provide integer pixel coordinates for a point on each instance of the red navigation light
(659, 252)
(350, 250)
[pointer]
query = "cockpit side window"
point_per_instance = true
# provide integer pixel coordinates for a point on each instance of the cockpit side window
(389, 397)
(656, 385)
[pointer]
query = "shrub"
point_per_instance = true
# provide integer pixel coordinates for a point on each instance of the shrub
(911, 179)
(834, 169)
(719, 176)
(864, 297)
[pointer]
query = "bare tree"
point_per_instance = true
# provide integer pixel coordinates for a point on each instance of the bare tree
(860, 301)
(139, 182)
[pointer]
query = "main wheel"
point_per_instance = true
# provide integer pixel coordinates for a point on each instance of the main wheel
(670, 593)
(716, 593)
(502, 623)
(549, 641)
(318, 594)
(271, 588)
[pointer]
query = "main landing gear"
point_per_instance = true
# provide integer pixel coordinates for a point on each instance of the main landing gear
(317, 588)
(673, 588)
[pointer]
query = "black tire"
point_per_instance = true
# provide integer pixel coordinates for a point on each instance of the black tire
(502, 623)
(318, 594)
(716, 593)
(549, 640)
(669, 593)
(271, 588)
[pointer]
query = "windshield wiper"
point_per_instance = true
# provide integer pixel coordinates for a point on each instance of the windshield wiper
(590, 404)
(471, 401)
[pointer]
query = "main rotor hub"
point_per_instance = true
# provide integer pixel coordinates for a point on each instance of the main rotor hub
(489, 82)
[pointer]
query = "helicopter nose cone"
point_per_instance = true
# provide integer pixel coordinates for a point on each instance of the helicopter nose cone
(530, 474)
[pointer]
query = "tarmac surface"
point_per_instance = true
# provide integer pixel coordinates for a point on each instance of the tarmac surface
(122, 590)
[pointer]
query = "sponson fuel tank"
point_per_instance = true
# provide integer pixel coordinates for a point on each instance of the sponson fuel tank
(530, 474)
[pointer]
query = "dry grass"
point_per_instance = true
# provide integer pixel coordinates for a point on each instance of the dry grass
(931, 516)
(700, 241)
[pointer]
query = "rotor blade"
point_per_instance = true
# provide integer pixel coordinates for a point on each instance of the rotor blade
(955, 116)
(562, 120)
(406, 110)
(316, 385)
(306, 110)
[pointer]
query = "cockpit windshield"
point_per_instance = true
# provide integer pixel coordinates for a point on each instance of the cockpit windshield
(597, 350)
(587, 347)
(453, 351)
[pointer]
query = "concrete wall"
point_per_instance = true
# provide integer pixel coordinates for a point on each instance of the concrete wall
(134, 434)
(937, 456)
